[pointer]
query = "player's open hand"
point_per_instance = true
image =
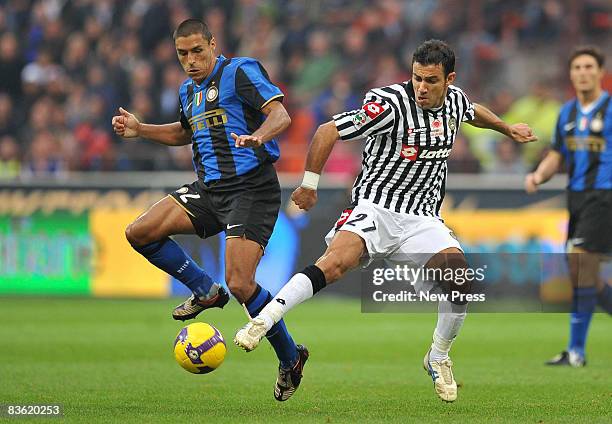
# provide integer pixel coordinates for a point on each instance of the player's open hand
(531, 183)
(247, 140)
(125, 124)
(522, 133)
(304, 198)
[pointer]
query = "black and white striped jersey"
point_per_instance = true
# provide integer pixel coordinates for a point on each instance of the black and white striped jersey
(404, 159)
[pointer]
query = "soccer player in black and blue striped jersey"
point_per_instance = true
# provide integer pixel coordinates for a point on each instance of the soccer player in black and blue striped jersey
(231, 113)
(583, 139)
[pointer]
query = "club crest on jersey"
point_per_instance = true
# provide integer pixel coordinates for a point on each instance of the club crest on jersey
(597, 124)
(437, 130)
(212, 93)
(452, 124)
(198, 98)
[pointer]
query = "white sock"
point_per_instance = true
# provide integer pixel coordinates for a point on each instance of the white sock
(450, 320)
(297, 290)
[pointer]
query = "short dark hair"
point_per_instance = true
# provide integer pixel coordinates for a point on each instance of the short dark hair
(435, 52)
(192, 26)
(588, 50)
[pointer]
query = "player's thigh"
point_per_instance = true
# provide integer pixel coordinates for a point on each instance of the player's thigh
(377, 227)
(241, 259)
(161, 220)
(427, 241)
(584, 267)
(590, 235)
(344, 253)
(590, 226)
(252, 212)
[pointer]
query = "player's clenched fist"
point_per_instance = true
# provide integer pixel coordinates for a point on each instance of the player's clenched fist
(304, 198)
(125, 124)
(522, 133)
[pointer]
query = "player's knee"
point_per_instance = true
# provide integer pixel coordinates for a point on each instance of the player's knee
(333, 267)
(137, 236)
(130, 235)
(456, 280)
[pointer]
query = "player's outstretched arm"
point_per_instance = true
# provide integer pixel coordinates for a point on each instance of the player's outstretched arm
(322, 144)
(128, 126)
(485, 118)
(544, 172)
(277, 120)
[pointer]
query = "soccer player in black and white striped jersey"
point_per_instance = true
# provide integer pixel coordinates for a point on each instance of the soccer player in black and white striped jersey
(409, 130)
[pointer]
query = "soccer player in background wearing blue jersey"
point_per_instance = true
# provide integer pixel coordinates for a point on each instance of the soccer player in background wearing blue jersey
(231, 113)
(583, 139)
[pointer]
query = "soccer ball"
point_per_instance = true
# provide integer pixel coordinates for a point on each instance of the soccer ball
(199, 348)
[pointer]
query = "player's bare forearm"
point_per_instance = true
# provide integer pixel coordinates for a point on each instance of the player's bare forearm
(322, 144)
(485, 118)
(544, 172)
(548, 167)
(305, 196)
(169, 134)
(277, 120)
(127, 125)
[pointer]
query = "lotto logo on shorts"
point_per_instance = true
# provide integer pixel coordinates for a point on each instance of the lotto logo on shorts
(344, 217)
(373, 109)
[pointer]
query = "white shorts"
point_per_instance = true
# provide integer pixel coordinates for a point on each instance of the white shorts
(395, 236)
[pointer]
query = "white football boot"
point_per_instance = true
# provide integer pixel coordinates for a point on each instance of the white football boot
(249, 336)
(441, 373)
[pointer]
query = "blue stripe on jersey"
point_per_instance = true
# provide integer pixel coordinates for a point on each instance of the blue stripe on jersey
(585, 141)
(228, 100)
(581, 157)
(604, 173)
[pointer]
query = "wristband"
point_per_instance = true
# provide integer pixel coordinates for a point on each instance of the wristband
(310, 181)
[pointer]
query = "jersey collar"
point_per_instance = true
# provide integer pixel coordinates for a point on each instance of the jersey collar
(220, 60)
(590, 108)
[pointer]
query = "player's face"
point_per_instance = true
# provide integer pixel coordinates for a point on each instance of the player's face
(430, 85)
(585, 73)
(197, 56)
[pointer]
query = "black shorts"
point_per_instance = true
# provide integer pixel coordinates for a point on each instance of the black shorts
(245, 205)
(590, 222)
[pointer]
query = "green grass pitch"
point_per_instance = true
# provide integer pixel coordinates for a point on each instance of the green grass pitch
(111, 361)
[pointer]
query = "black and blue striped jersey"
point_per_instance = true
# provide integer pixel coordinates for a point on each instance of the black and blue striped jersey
(584, 138)
(229, 100)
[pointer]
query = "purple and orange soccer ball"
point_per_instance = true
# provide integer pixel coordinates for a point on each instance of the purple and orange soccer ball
(199, 348)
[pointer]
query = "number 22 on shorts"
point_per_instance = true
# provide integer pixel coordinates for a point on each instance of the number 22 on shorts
(354, 221)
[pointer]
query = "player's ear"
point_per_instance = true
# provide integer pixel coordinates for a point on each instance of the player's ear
(450, 78)
(212, 43)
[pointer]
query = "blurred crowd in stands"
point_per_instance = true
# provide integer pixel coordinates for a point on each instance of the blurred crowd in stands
(67, 65)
